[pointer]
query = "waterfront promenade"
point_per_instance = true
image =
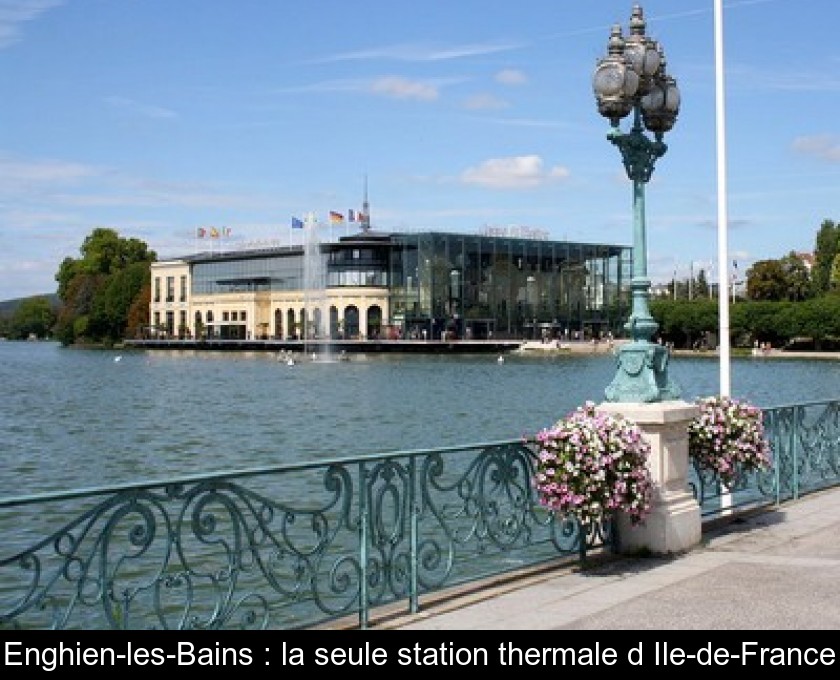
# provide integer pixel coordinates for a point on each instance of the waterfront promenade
(773, 570)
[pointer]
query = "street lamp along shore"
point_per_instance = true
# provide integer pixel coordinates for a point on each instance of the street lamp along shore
(631, 79)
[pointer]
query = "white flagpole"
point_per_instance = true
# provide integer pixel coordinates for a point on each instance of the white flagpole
(723, 255)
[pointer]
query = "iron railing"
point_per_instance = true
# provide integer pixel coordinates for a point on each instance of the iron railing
(307, 545)
(285, 547)
(805, 448)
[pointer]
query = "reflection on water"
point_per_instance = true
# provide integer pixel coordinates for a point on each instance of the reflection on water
(78, 418)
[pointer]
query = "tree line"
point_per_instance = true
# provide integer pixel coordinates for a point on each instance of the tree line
(103, 297)
(790, 301)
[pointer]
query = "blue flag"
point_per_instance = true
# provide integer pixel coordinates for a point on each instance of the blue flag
(296, 223)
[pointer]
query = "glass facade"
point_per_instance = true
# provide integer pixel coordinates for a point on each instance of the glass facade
(249, 271)
(479, 287)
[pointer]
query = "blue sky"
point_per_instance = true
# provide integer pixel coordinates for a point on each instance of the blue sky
(157, 117)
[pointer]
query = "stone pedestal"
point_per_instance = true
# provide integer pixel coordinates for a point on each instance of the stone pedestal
(673, 525)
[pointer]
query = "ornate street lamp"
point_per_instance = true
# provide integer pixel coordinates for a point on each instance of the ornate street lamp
(632, 79)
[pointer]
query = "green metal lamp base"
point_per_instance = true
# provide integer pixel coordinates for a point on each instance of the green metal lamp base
(642, 374)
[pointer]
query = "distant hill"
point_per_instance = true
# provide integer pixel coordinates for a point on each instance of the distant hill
(8, 307)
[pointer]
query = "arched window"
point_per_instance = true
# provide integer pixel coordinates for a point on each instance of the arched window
(334, 330)
(303, 326)
(374, 321)
(278, 324)
(351, 322)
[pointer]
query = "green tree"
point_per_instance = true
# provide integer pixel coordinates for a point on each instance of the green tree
(109, 315)
(834, 280)
(34, 316)
(798, 277)
(701, 288)
(826, 249)
(138, 313)
(98, 290)
(766, 280)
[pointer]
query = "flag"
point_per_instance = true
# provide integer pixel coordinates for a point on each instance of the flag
(227, 231)
(336, 217)
(201, 232)
(214, 233)
(351, 215)
(296, 223)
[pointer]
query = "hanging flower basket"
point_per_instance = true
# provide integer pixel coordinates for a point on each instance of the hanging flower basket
(594, 465)
(727, 439)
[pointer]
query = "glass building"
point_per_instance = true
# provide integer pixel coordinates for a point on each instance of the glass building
(429, 285)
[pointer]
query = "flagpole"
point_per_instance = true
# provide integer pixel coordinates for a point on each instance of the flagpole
(723, 255)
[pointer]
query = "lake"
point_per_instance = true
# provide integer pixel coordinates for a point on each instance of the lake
(78, 418)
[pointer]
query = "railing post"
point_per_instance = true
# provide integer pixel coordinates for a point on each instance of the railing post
(674, 523)
(583, 532)
(413, 594)
(364, 611)
(794, 449)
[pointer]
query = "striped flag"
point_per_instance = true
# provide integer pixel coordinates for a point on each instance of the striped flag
(351, 215)
(201, 232)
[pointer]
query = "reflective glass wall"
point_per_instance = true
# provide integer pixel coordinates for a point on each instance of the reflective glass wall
(478, 287)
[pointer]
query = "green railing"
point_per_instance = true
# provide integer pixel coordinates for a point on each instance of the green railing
(805, 445)
(333, 542)
(285, 547)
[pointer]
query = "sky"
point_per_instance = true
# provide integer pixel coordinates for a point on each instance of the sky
(156, 118)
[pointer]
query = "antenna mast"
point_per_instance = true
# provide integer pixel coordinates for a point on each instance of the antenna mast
(366, 210)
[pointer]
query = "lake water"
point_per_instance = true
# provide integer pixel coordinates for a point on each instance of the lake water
(78, 418)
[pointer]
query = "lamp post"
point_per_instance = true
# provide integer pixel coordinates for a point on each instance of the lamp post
(632, 79)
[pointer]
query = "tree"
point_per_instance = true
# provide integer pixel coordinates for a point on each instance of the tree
(138, 314)
(701, 289)
(109, 316)
(766, 280)
(98, 290)
(834, 281)
(798, 277)
(34, 316)
(827, 247)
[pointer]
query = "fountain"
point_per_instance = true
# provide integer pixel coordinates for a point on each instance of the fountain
(316, 310)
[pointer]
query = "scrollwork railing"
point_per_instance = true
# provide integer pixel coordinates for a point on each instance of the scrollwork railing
(805, 450)
(286, 547)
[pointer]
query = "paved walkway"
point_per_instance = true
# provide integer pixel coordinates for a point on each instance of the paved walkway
(775, 570)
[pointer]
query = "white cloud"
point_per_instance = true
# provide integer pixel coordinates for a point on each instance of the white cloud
(403, 88)
(510, 76)
(14, 172)
(516, 172)
(15, 12)
(484, 102)
(420, 53)
(824, 147)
